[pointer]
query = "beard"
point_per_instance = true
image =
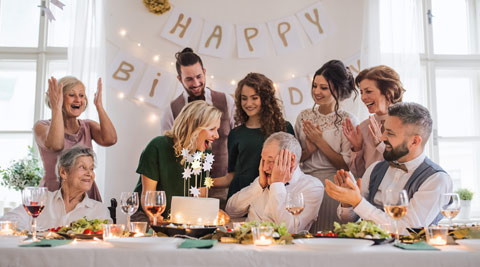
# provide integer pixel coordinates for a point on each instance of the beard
(201, 96)
(396, 152)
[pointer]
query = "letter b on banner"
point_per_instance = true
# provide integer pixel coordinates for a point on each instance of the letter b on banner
(124, 71)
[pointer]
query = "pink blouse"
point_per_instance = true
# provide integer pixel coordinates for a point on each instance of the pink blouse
(360, 160)
(49, 158)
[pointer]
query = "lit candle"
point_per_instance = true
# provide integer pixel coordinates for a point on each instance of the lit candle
(437, 235)
(7, 228)
(263, 241)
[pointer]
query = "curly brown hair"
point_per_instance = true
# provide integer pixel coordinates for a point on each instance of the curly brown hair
(387, 79)
(271, 115)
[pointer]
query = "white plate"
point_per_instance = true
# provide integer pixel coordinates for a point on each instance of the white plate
(340, 244)
(151, 242)
(473, 244)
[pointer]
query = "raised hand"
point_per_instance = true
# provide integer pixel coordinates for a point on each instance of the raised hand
(262, 178)
(312, 132)
(55, 93)
(98, 95)
(353, 134)
(375, 130)
(344, 189)
(282, 168)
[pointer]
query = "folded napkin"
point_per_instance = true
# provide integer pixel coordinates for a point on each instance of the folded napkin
(416, 246)
(197, 243)
(47, 243)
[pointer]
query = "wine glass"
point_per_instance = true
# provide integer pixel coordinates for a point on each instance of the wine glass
(450, 206)
(294, 204)
(34, 200)
(395, 204)
(129, 204)
(155, 204)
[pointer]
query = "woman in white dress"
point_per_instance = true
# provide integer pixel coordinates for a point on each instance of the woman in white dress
(325, 149)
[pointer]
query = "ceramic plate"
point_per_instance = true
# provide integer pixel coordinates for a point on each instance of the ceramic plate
(333, 243)
(377, 241)
(152, 242)
(473, 244)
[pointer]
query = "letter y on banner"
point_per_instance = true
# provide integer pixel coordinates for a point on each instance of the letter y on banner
(314, 21)
(124, 71)
(180, 27)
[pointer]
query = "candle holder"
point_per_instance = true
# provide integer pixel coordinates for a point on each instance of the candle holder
(7, 228)
(262, 235)
(139, 228)
(112, 231)
(436, 235)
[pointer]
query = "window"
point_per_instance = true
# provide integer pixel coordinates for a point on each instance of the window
(451, 61)
(31, 49)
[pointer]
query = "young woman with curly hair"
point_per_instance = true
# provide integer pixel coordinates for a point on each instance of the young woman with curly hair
(258, 115)
(319, 130)
(380, 87)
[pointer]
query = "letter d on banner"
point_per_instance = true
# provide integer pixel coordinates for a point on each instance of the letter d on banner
(124, 71)
(295, 96)
(180, 27)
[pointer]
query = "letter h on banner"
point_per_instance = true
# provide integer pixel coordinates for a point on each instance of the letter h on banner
(180, 27)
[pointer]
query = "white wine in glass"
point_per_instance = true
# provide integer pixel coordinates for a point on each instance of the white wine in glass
(155, 204)
(450, 206)
(294, 204)
(395, 205)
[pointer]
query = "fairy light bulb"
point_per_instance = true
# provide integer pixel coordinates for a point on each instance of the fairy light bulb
(232, 82)
(211, 76)
(139, 44)
(156, 58)
(121, 95)
(122, 33)
(141, 99)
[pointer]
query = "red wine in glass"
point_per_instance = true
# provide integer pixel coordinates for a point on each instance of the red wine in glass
(34, 210)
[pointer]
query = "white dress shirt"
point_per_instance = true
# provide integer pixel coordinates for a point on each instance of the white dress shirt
(167, 119)
(423, 207)
(54, 214)
(269, 204)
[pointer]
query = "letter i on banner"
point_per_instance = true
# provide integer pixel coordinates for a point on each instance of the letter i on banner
(251, 40)
(216, 39)
(124, 71)
(155, 85)
(285, 36)
(180, 27)
(314, 21)
(296, 96)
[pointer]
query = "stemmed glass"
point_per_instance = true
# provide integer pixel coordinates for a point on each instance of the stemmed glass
(155, 204)
(395, 204)
(34, 200)
(129, 204)
(450, 206)
(294, 204)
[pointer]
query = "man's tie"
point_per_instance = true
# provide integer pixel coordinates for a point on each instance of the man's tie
(398, 166)
(190, 99)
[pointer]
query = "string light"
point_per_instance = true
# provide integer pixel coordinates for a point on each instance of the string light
(171, 63)
(232, 82)
(293, 75)
(121, 95)
(139, 44)
(141, 99)
(123, 33)
(211, 76)
(275, 85)
(153, 118)
(156, 58)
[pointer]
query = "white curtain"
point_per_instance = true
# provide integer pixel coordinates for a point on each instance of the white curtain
(86, 61)
(392, 37)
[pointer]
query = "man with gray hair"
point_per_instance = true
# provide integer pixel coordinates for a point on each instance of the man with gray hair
(407, 129)
(264, 198)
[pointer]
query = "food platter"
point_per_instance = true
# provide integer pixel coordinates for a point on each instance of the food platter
(176, 229)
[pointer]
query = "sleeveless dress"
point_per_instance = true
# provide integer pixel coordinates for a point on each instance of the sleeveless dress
(49, 158)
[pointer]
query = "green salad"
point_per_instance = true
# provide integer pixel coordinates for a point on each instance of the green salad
(84, 226)
(362, 229)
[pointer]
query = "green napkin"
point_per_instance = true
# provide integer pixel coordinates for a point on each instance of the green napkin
(196, 243)
(47, 243)
(416, 246)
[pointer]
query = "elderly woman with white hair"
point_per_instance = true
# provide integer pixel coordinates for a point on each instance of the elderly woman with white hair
(71, 202)
(264, 199)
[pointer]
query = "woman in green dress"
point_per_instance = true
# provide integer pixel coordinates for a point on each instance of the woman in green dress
(160, 168)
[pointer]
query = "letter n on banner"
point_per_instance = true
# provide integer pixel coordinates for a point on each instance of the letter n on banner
(296, 97)
(285, 35)
(124, 71)
(155, 85)
(216, 39)
(251, 40)
(180, 27)
(314, 21)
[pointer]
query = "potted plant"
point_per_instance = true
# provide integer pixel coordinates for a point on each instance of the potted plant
(22, 173)
(466, 197)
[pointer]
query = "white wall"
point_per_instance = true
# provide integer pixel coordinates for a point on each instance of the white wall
(132, 119)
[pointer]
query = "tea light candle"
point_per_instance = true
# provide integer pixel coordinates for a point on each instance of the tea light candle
(112, 231)
(7, 228)
(262, 235)
(437, 235)
(263, 241)
(139, 228)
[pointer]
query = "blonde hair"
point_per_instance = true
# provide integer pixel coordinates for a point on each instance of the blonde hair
(194, 117)
(68, 83)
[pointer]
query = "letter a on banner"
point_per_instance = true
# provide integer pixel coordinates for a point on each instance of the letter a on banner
(295, 96)
(155, 86)
(180, 27)
(314, 21)
(124, 71)
(216, 39)
(251, 40)
(285, 36)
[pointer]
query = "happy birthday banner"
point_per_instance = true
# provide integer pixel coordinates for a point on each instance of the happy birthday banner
(217, 38)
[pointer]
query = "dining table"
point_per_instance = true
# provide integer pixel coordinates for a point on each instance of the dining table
(83, 253)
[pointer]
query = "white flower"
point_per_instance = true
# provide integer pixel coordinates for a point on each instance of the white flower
(197, 156)
(194, 191)
(207, 166)
(196, 165)
(209, 158)
(189, 158)
(187, 173)
(197, 171)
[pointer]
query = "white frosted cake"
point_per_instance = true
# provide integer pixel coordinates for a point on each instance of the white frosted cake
(194, 210)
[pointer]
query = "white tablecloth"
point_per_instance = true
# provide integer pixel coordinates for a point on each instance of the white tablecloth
(99, 253)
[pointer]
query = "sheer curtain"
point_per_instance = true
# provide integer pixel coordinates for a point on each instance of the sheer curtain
(86, 61)
(392, 37)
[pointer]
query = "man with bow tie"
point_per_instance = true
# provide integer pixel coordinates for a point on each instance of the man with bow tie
(407, 129)
(191, 74)
(264, 198)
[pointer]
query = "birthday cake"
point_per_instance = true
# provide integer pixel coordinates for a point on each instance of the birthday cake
(194, 210)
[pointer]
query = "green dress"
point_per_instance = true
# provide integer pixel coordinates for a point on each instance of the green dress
(244, 154)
